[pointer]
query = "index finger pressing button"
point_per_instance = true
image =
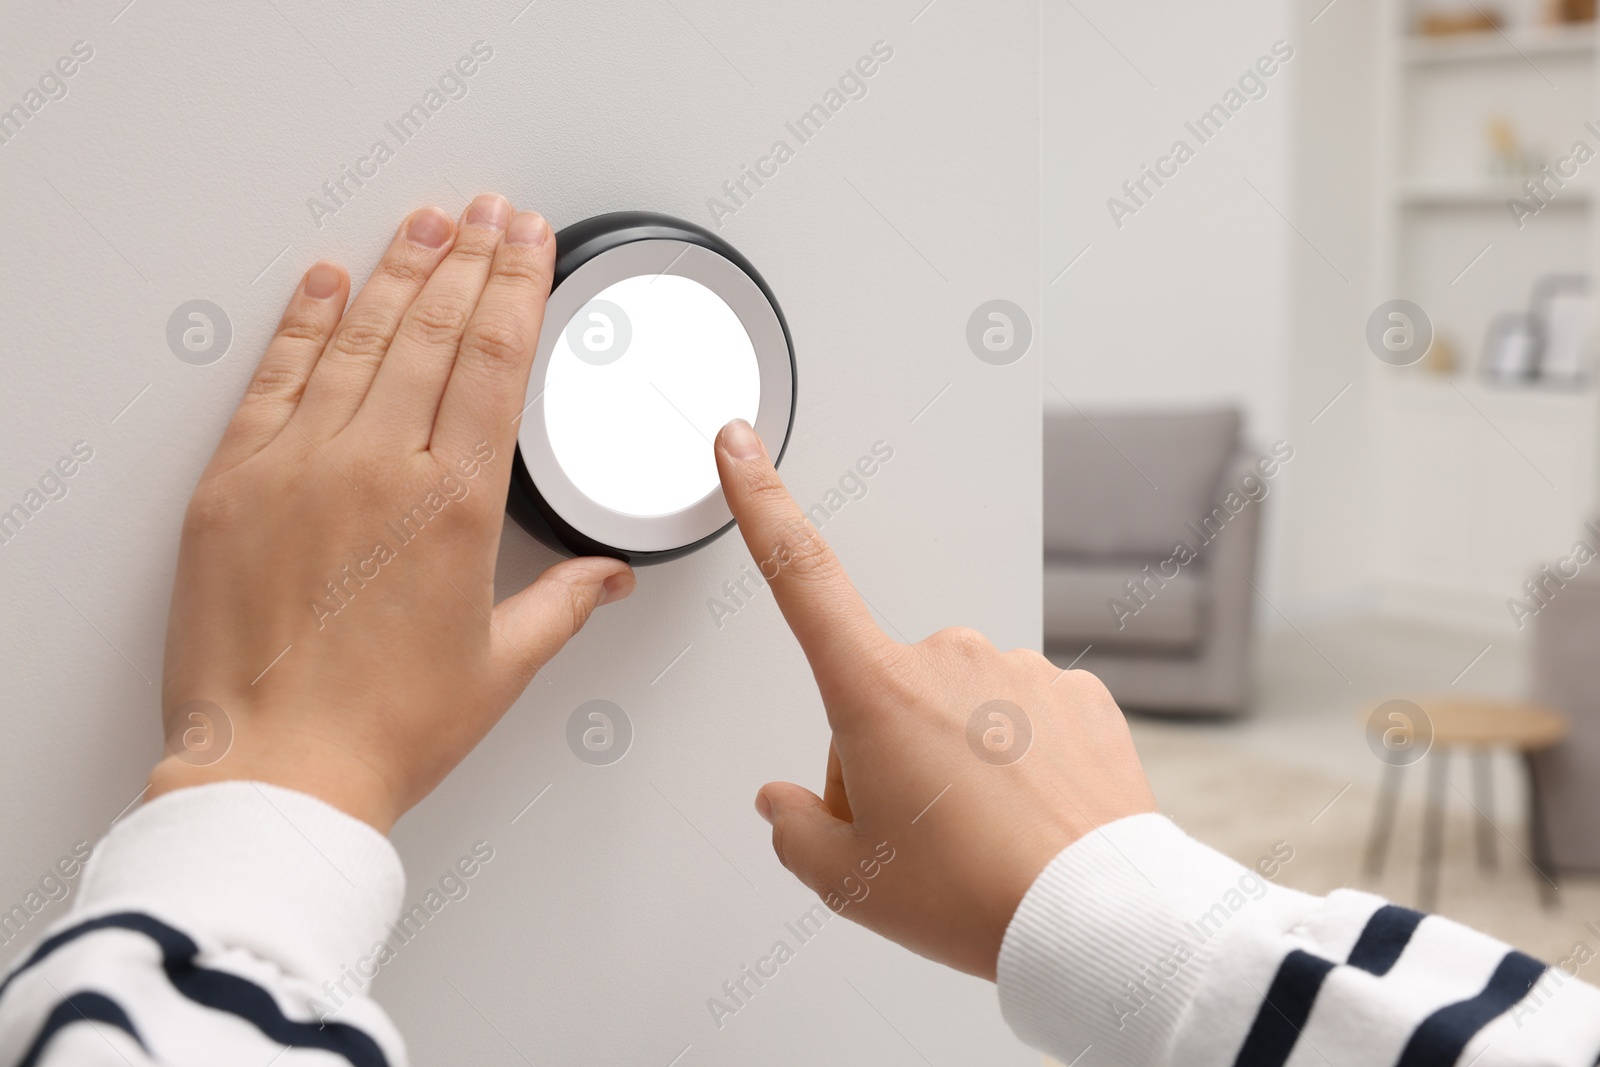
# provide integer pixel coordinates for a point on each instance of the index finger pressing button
(828, 617)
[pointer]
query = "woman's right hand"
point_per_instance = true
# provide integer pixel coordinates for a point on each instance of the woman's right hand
(957, 771)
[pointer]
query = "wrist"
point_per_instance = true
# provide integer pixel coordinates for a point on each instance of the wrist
(346, 784)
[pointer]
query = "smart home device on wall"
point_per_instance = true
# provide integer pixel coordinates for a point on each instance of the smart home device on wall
(656, 335)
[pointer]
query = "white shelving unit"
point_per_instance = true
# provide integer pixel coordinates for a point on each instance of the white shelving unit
(1478, 484)
(1511, 45)
(1492, 194)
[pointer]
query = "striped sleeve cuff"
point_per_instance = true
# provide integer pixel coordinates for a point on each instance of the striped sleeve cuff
(279, 873)
(1113, 940)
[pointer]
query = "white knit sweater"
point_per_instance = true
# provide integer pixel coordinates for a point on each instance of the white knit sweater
(240, 923)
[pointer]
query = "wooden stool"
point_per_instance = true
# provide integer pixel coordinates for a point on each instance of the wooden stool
(1479, 725)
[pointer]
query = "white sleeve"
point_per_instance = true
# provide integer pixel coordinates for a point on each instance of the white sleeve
(235, 923)
(1138, 946)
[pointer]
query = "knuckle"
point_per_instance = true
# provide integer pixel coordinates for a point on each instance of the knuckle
(962, 641)
(779, 839)
(363, 339)
(469, 512)
(1098, 688)
(763, 485)
(302, 327)
(483, 509)
(568, 600)
(278, 381)
(577, 604)
(438, 322)
(451, 517)
(1032, 659)
(475, 243)
(403, 270)
(1088, 686)
(372, 471)
(522, 267)
(789, 846)
(895, 676)
(796, 538)
(212, 509)
(496, 341)
(808, 557)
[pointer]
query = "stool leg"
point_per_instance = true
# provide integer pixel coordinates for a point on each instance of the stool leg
(1433, 830)
(1383, 819)
(1539, 839)
(1483, 785)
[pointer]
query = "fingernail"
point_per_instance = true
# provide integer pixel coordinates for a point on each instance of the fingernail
(614, 588)
(739, 440)
(764, 807)
(490, 210)
(322, 281)
(528, 228)
(429, 228)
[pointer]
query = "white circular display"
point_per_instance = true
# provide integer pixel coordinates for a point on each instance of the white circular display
(640, 380)
(648, 348)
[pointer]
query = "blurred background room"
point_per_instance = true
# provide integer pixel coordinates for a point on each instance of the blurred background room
(1320, 433)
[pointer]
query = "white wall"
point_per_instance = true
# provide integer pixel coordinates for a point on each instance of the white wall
(1185, 303)
(178, 167)
(1334, 517)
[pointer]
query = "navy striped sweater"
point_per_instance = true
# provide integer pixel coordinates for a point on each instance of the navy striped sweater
(205, 932)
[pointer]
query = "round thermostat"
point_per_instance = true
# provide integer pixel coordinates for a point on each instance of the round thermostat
(657, 334)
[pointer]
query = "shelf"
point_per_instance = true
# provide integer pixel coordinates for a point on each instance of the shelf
(1515, 44)
(1480, 194)
(1467, 395)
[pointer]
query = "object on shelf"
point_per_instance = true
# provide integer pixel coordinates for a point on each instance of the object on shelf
(1507, 156)
(1441, 358)
(1451, 23)
(1563, 311)
(1552, 343)
(1572, 10)
(1510, 352)
(1504, 156)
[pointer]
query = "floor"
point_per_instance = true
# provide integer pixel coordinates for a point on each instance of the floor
(1298, 770)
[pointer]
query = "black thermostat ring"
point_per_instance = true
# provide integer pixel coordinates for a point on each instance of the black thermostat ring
(576, 246)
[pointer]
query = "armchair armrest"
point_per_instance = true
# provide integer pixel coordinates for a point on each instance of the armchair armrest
(1230, 562)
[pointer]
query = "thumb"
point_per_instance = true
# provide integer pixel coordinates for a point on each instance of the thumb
(530, 627)
(816, 847)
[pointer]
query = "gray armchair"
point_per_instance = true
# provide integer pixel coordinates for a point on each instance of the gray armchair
(1148, 559)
